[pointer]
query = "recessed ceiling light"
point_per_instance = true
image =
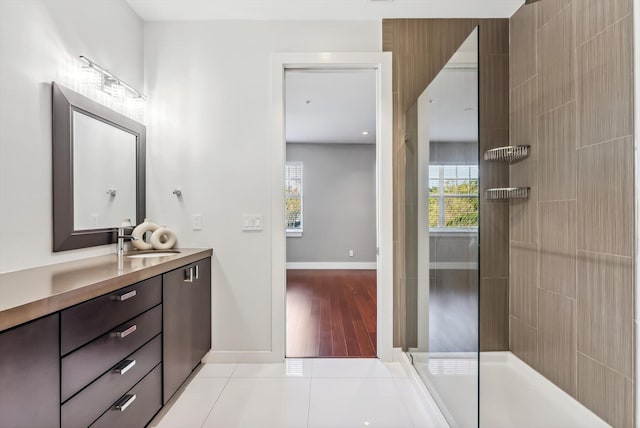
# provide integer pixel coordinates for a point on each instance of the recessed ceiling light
(365, 132)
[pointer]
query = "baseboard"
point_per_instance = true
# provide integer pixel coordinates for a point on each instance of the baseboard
(333, 265)
(242, 357)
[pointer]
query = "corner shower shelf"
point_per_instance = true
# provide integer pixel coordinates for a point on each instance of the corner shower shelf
(507, 193)
(507, 153)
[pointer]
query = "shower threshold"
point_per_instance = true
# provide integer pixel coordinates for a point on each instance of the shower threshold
(512, 394)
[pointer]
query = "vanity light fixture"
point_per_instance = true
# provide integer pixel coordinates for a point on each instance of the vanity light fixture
(110, 83)
(365, 132)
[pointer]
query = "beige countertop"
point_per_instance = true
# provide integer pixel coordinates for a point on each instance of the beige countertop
(29, 294)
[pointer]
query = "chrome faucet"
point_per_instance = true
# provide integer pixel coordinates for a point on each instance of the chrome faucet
(121, 238)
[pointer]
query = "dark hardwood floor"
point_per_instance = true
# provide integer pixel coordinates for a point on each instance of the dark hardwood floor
(331, 313)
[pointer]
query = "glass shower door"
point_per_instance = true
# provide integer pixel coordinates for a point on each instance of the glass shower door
(442, 258)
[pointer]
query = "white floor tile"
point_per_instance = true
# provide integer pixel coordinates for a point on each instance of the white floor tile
(216, 370)
(314, 393)
(194, 405)
(262, 403)
(396, 370)
(292, 367)
(350, 403)
(349, 368)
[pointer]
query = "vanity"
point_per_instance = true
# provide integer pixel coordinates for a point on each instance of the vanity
(101, 342)
(104, 341)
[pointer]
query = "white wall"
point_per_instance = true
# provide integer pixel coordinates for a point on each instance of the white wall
(209, 124)
(39, 42)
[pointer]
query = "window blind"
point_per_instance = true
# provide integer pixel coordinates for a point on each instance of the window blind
(293, 196)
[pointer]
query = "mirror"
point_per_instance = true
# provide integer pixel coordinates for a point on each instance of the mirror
(98, 171)
(104, 169)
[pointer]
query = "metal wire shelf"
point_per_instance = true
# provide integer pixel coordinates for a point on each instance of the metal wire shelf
(507, 154)
(507, 193)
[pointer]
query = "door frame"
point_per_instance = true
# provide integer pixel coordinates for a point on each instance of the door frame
(381, 62)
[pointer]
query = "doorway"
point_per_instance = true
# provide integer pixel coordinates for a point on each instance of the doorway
(378, 270)
(330, 213)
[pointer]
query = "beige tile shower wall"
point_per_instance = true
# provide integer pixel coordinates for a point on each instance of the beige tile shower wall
(571, 282)
(421, 48)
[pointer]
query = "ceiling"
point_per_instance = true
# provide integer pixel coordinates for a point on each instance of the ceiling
(330, 106)
(198, 10)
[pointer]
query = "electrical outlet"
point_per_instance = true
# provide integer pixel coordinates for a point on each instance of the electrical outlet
(350, 253)
(196, 222)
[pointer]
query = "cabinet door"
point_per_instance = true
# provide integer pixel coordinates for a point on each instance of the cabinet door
(176, 329)
(30, 375)
(201, 311)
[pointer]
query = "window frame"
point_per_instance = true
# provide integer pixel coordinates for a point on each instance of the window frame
(442, 197)
(294, 232)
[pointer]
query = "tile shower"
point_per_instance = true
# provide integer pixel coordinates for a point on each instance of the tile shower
(571, 243)
(556, 280)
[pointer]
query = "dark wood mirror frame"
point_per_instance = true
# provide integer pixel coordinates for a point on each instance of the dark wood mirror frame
(64, 103)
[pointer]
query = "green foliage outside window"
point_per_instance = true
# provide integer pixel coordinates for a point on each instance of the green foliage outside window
(460, 203)
(293, 212)
(293, 196)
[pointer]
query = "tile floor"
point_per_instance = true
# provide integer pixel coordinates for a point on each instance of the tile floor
(313, 393)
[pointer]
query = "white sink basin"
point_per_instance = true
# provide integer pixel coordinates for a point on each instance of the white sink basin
(155, 254)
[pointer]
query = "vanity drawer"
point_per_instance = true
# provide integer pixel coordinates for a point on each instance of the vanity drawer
(90, 403)
(138, 405)
(86, 321)
(84, 365)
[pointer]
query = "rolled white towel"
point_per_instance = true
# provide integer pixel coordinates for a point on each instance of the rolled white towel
(163, 238)
(139, 234)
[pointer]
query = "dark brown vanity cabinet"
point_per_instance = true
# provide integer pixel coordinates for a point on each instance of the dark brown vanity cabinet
(112, 360)
(186, 322)
(119, 338)
(30, 375)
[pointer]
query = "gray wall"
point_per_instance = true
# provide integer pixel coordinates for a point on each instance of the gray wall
(339, 211)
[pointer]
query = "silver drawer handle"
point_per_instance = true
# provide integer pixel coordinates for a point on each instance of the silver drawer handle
(124, 296)
(188, 275)
(125, 402)
(126, 332)
(124, 366)
(197, 271)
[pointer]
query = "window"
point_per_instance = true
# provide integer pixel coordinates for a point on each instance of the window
(453, 196)
(293, 198)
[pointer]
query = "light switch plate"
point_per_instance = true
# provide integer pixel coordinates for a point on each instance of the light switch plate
(196, 222)
(252, 222)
